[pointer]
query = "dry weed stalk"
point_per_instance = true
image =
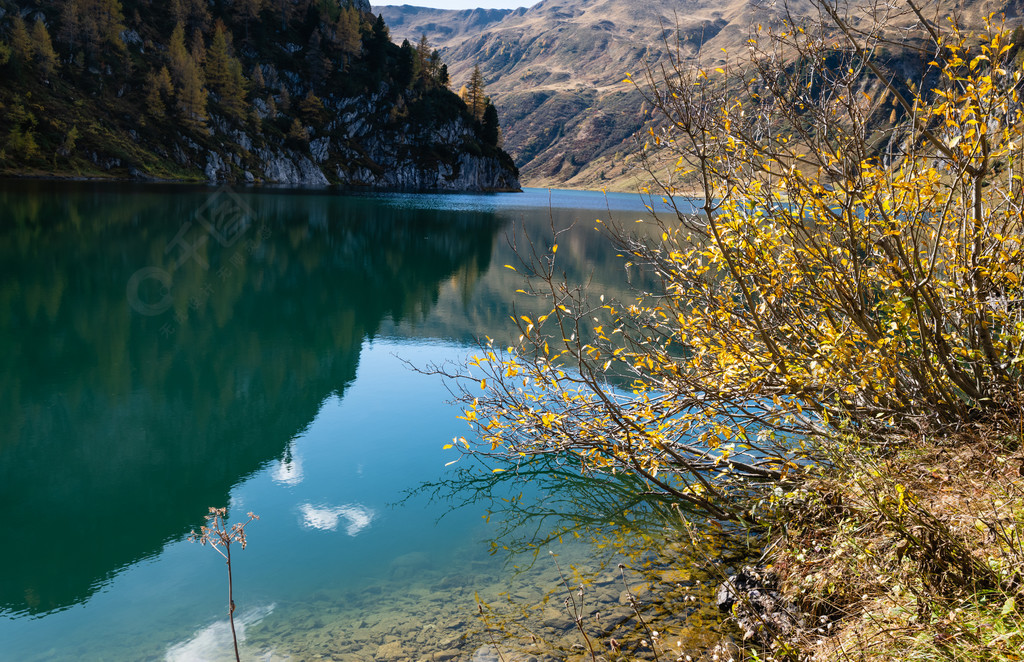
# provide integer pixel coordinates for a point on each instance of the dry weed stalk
(219, 536)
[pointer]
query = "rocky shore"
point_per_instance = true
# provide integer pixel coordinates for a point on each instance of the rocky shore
(469, 614)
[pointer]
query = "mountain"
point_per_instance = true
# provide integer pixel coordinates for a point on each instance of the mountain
(307, 92)
(555, 70)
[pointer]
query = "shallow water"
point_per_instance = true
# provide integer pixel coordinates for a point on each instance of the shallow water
(171, 348)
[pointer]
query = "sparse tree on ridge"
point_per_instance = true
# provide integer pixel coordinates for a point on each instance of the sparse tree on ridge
(473, 94)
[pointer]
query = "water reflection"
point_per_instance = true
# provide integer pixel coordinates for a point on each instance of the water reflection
(120, 427)
(269, 383)
(214, 640)
(327, 518)
(288, 470)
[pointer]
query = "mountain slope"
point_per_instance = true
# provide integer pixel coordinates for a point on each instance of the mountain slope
(555, 70)
(305, 92)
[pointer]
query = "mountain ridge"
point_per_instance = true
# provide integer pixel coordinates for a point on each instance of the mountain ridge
(556, 70)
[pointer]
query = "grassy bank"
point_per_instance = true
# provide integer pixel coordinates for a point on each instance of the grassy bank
(908, 553)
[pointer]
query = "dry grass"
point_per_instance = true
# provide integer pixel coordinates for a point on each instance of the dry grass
(911, 554)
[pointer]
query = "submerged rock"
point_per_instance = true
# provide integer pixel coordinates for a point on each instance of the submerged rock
(389, 651)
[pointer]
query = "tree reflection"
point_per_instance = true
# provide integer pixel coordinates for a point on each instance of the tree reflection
(121, 427)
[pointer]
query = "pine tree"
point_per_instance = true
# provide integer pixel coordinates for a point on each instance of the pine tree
(188, 80)
(109, 19)
(284, 100)
(21, 43)
(218, 62)
(311, 110)
(380, 30)
(92, 25)
(198, 49)
(317, 62)
(70, 32)
(192, 98)
(491, 130)
(177, 54)
(423, 58)
(191, 14)
(377, 44)
(434, 67)
(67, 146)
(297, 133)
(45, 56)
(405, 73)
(347, 32)
(475, 99)
(248, 11)
(258, 84)
(238, 87)
(159, 90)
(285, 9)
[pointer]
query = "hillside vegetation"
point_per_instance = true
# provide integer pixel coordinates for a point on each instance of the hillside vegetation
(308, 92)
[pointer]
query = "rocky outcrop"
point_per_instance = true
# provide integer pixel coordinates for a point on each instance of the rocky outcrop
(359, 148)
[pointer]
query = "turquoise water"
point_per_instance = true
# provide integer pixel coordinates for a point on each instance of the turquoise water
(171, 348)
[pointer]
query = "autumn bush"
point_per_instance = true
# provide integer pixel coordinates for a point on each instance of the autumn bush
(836, 278)
(841, 282)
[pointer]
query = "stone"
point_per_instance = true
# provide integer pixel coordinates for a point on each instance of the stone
(556, 619)
(390, 651)
(320, 149)
(216, 168)
(486, 654)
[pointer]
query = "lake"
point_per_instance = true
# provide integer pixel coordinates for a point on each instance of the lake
(169, 348)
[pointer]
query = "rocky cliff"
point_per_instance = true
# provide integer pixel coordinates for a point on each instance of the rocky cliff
(358, 149)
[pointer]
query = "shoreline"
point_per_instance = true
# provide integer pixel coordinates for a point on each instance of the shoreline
(268, 186)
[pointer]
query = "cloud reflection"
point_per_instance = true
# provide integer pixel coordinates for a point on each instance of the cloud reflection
(327, 518)
(288, 469)
(213, 642)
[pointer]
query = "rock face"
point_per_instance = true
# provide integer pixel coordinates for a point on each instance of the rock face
(358, 150)
(760, 609)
